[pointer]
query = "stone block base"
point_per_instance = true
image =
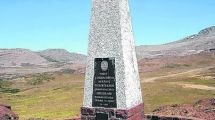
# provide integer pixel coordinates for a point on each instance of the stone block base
(135, 113)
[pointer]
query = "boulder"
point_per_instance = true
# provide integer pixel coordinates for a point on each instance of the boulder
(7, 114)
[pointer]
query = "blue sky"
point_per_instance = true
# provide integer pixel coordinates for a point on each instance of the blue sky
(42, 24)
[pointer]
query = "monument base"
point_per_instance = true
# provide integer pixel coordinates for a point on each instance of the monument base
(135, 113)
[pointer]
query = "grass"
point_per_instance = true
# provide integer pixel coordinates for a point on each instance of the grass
(56, 99)
(5, 87)
(198, 80)
(39, 79)
(174, 65)
(61, 97)
(166, 94)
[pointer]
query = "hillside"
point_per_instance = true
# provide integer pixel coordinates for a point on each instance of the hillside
(202, 41)
(177, 63)
(178, 80)
(46, 78)
(24, 61)
(19, 58)
(21, 62)
(61, 55)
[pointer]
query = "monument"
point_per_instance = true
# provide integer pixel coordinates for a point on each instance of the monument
(112, 86)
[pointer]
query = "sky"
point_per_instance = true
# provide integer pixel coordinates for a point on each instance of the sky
(43, 24)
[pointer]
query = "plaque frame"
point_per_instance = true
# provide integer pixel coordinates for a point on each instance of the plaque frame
(104, 83)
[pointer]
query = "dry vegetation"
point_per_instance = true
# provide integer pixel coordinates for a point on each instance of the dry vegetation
(59, 95)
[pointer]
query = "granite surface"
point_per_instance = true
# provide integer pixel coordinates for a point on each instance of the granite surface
(111, 36)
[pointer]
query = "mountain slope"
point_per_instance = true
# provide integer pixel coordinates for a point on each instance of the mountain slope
(20, 57)
(61, 55)
(193, 44)
(202, 41)
(20, 62)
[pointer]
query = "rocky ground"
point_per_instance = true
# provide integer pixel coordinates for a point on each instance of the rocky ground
(7, 114)
(202, 109)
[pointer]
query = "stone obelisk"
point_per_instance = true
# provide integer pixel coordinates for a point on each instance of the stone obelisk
(112, 86)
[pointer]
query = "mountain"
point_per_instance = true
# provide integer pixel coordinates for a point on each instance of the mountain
(202, 41)
(24, 61)
(21, 62)
(19, 58)
(177, 63)
(61, 55)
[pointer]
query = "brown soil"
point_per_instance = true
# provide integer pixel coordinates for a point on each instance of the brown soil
(203, 109)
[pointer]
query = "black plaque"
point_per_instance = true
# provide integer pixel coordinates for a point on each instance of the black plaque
(104, 83)
(101, 116)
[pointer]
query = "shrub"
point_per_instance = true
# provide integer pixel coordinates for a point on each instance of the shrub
(40, 79)
(5, 87)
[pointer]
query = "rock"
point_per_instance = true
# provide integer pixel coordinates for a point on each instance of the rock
(202, 109)
(7, 114)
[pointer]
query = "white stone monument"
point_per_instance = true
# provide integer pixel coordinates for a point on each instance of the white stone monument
(112, 86)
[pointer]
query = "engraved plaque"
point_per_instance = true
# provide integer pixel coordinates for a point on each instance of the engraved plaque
(101, 116)
(104, 83)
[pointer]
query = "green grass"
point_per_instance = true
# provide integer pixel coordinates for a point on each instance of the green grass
(4, 83)
(5, 87)
(61, 103)
(39, 79)
(174, 65)
(162, 93)
(56, 99)
(62, 97)
(9, 90)
(199, 80)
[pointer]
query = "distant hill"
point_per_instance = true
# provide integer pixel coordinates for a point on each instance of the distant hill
(23, 57)
(177, 63)
(151, 57)
(19, 58)
(61, 55)
(203, 41)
